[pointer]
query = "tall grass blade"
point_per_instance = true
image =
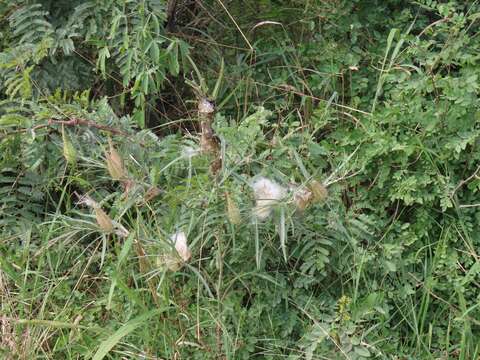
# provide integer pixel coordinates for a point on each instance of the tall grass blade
(282, 233)
(123, 331)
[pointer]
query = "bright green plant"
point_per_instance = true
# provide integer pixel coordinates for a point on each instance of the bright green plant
(60, 44)
(361, 116)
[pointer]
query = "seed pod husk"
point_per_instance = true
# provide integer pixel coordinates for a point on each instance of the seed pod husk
(173, 261)
(180, 241)
(302, 197)
(152, 193)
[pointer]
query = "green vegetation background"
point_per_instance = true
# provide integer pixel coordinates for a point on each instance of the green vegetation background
(374, 101)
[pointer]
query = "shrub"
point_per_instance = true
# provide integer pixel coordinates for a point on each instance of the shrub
(320, 201)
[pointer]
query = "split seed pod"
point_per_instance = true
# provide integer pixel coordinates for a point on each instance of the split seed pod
(103, 220)
(302, 197)
(174, 262)
(180, 241)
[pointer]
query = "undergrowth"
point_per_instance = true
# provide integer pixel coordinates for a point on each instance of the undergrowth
(239, 180)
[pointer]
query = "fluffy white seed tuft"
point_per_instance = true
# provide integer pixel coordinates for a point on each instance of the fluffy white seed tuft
(189, 152)
(267, 194)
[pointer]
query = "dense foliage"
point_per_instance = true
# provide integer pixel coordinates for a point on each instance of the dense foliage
(319, 158)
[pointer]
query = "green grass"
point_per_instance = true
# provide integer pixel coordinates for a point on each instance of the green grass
(370, 112)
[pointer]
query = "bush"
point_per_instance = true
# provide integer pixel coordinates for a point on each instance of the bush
(262, 180)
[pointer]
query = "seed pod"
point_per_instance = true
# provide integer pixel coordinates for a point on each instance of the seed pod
(320, 192)
(173, 261)
(233, 213)
(87, 201)
(115, 163)
(69, 151)
(152, 193)
(128, 185)
(103, 220)
(302, 198)
(180, 240)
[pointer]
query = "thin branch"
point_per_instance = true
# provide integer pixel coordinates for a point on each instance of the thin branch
(463, 206)
(236, 25)
(72, 122)
(463, 182)
(88, 123)
(432, 25)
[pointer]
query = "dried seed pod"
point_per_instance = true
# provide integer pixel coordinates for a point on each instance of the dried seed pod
(320, 192)
(87, 201)
(69, 151)
(174, 262)
(114, 163)
(233, 213)
(180, 241)
(103, 220)
(151, 193)
(302, 197)
(128, 185)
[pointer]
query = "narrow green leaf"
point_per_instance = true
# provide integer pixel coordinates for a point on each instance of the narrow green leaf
(257, 245)
(219, 80)
(282, 233)
(123, 331)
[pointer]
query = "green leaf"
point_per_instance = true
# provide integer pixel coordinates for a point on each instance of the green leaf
(361, 351)
(103, 54)
(173, 64)
(216, 89)
(282, 233)
(123, 331)
(390, 266)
